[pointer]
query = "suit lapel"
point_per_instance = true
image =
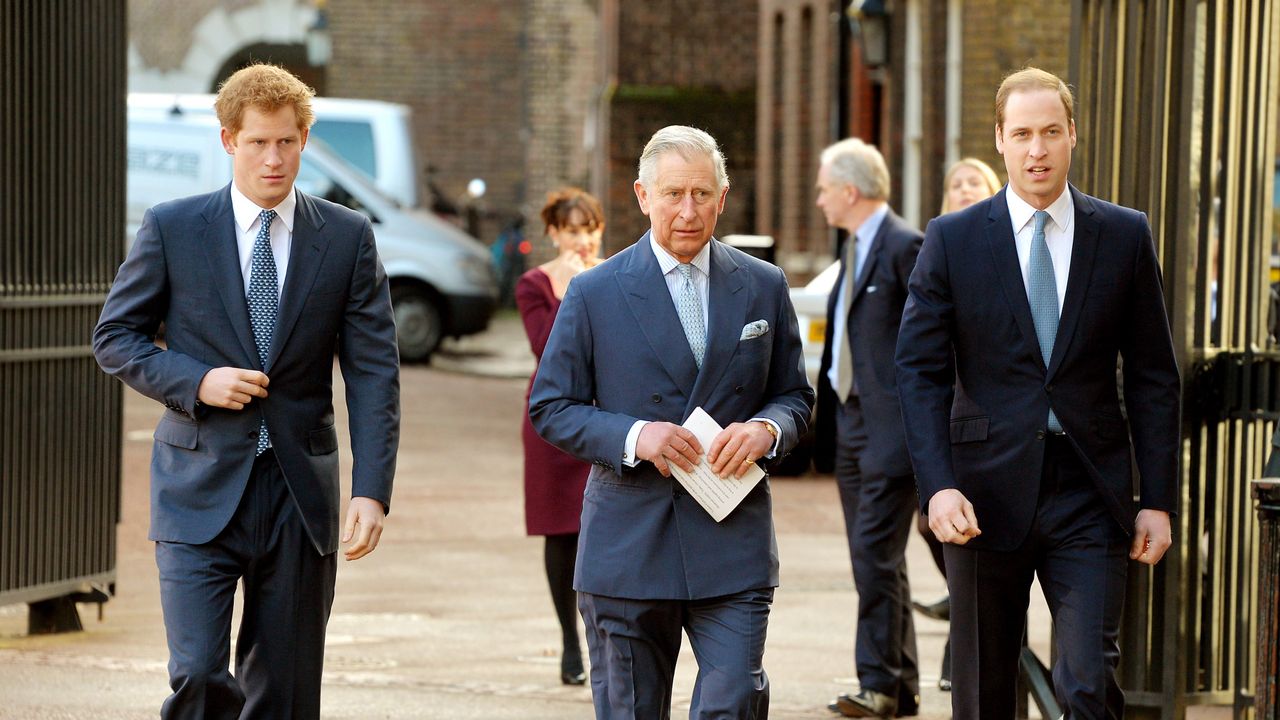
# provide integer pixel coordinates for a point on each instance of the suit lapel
(306, 250)
(1004, 255)
(873, 256)
(1084, 245)
(727, 311)
(221, 250)
(645, 291)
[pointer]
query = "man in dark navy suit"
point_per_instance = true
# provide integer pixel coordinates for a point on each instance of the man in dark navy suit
(258, 286)
(1021, 306)
(859, 421)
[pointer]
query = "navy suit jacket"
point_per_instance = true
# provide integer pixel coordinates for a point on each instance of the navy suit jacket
(184, 271)
(967, 324)
(617, 354)
(875, 311)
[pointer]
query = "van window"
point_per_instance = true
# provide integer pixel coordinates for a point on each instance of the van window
(351, 139)
(317, 184)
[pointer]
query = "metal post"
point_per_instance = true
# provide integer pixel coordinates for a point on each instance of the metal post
(1266, 492)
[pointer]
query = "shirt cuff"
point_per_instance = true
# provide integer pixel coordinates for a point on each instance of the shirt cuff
(629, 458)
(777, 435)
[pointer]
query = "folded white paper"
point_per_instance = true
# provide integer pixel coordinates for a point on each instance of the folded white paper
(718, 496)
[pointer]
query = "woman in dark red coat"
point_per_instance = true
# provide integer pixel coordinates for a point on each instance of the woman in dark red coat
(553, 480)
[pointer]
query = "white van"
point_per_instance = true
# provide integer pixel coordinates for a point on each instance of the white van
(374, 136)
(442, 283)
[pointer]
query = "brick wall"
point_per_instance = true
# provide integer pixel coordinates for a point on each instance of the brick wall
(459, 66)
(798, 59)
(683, 62)
(1030, 33)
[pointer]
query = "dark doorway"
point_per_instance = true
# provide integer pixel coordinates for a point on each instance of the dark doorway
(292, 57)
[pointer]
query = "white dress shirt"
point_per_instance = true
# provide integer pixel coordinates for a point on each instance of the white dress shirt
(1059, 235)
(861, 238)
(701, 277)
(247, 221)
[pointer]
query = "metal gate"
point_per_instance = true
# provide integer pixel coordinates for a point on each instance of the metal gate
(1178, 118)
(62, 171)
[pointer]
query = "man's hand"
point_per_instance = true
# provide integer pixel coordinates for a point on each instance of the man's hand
(737, 447)
(368, 514)
(231, 388)
(1152, 536)
(951, 517)
(662, 443)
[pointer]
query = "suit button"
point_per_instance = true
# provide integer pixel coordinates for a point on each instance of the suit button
(656, 398)
(1039, 434)
(1048, 388)
(737, 390)
(253, 433)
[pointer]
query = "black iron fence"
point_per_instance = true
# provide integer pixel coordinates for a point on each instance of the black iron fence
(62, 155)
(1177, 117)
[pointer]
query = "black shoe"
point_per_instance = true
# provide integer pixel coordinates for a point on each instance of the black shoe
(571, 672)
(944, 677)
(940, 610)
(866, 704)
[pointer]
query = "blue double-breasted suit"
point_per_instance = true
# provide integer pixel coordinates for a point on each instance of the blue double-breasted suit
(618, 354)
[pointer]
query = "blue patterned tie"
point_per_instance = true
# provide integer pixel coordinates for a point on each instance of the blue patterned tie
(1043, 292)
(263, 300)
(689, 307)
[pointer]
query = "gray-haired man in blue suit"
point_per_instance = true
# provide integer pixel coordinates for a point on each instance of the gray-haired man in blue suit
(675, 322)
(258, 285)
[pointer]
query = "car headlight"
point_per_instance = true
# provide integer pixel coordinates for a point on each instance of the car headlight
(477, 270)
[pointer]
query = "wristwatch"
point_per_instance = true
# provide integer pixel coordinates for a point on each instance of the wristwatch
(772, 430)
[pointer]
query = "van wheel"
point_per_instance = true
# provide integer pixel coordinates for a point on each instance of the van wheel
(418, 324)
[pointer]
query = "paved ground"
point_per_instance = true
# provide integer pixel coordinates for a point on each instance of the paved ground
(450, 618)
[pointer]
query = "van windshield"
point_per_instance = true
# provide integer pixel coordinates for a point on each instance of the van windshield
(353, 140)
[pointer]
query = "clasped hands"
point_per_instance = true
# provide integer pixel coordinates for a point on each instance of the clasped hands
(952, 520)
(233, 388)
(733, 451)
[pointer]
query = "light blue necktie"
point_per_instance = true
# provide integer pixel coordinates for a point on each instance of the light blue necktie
(263, 300)
(1043, 292)
(689, 308)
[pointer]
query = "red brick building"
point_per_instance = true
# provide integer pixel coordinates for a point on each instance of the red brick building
(917, 79)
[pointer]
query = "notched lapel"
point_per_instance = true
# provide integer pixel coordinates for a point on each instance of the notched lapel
(218, 238)
(1084, 246)
(1004, 255)
(727, 311)
(306, 251)
(645, 291)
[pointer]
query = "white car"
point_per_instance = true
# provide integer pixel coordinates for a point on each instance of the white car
(810, 304)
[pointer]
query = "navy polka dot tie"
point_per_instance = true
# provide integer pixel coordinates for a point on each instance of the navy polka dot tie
(263, 299)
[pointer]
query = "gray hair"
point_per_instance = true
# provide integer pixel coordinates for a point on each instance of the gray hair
(690, 143)
(856, 163)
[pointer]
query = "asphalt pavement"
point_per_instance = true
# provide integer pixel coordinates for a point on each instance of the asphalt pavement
(450, 618)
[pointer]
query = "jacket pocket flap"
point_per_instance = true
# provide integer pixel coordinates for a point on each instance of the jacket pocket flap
(179, 433)
(323, 441)
(970, 429)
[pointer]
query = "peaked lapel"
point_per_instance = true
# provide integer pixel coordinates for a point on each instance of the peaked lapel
(645, 291)
(221, 251)
(1004, 255)
(1084, 245)
(306, 251)
(727, 312)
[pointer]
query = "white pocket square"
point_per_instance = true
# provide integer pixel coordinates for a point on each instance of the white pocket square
(754, 330)
(872, 288)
